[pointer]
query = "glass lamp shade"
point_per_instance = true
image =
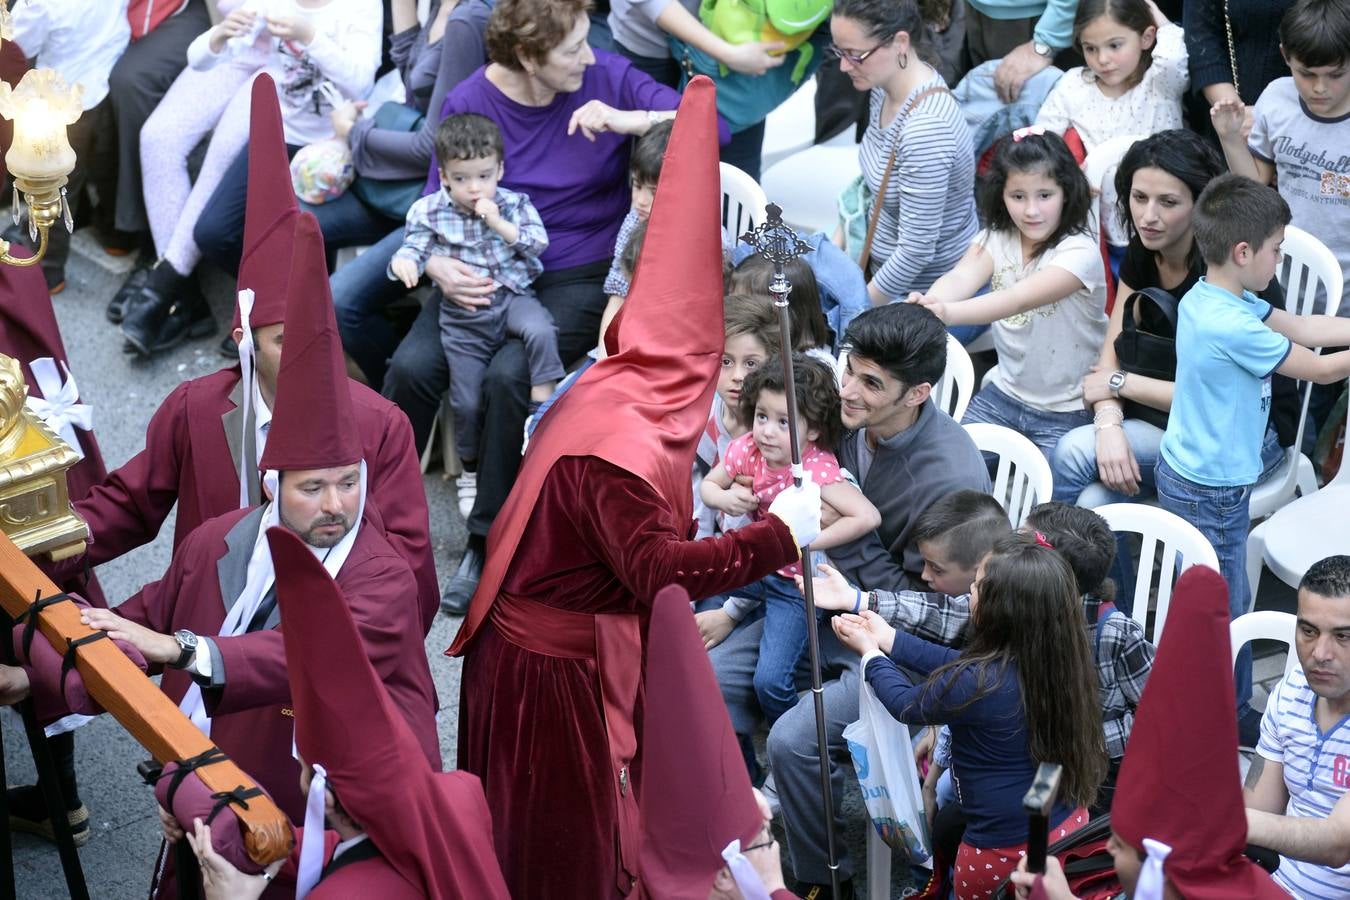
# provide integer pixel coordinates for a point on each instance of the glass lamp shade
(41, 108)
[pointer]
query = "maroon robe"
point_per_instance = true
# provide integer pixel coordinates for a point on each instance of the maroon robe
(188, 459)
(370, 876)
(28, 331)
(547, 775)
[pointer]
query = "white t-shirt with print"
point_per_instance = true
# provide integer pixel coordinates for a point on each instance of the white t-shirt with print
(1044, 353)
(1312, 165)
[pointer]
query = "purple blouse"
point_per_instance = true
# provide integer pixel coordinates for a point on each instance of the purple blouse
(580, 187)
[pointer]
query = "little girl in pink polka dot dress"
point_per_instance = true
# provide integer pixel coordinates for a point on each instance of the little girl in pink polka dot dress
(765, 456)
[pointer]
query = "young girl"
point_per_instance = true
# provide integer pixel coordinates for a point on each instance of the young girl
(810, 331)
(765, 455)
(1134, 78)
(1022, 690)
(1047, 294)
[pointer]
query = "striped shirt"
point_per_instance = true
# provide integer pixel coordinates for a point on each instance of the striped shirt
(928, 216)
(1316, 773)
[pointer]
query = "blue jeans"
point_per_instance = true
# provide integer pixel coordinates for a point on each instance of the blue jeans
(1222, 515)
(1044, 429)
(989, 117)
(782, 644)
(362, 290)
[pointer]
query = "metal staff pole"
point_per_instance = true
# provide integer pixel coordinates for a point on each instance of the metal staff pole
(779, 244)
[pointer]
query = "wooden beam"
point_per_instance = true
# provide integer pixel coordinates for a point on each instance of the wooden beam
(131, 698)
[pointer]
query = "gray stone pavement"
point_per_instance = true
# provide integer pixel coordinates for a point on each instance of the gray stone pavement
(125, 392)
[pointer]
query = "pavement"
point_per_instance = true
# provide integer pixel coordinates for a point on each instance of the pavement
(125, 392)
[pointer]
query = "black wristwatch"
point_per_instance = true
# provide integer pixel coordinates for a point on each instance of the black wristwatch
(187, 642)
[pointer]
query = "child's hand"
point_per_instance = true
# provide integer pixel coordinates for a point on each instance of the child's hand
(937, 307)
(853, 633)
(291, 28)
(923, 748)
(880, 630)
(713, 626)
(738, 500)
(237, 23)
(405, 270)
(914, 297)
(832, 590)
(486, 210)
(1230, 118)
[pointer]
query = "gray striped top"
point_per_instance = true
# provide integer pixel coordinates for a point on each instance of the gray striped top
(929, 211)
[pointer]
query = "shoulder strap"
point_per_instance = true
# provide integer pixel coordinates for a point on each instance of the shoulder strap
(1161, 300)
(1104, 612)
(866, 256)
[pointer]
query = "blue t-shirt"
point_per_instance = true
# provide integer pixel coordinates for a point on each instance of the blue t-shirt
(1225, 357)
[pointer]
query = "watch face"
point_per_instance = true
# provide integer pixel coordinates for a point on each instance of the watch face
(186, 639)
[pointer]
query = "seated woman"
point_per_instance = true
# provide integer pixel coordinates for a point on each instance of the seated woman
(431, 60)
(316, 48)
(566, 114)
(916, 142)
(1112, 460)
(1021, 690)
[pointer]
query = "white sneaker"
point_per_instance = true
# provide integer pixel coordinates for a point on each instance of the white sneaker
(467, 486)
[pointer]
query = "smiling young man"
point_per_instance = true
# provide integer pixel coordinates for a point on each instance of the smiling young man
(905, 453)
(1302, 767)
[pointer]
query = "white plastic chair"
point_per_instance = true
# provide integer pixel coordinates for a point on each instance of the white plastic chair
(791, 127)
(807, 185)
(1265, 625)
(743, 201)
(1307, 264)
(443, 430)
(1166, 538)
(953, 391)
(1300, 533)
(1023, 476)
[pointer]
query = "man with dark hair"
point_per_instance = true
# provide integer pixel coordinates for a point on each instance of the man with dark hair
(906, 453)
(1297, 782)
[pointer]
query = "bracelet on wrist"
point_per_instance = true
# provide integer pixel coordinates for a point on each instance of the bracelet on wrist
(857, 600)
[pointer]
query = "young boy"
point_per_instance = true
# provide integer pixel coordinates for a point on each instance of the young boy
(751, 330)
(1123, 654)
(1229, 343)
(499, 231)
(1298, 136)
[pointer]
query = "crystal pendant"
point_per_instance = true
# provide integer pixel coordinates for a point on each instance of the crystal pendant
(32, 227)
(16, 206)
(65, 213)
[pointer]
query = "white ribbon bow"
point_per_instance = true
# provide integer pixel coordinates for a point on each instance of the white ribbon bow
(311, 844)
(747, 879)
(59, 407)
(1151, 878)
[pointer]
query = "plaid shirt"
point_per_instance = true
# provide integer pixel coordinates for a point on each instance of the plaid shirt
(436, 227)
(1124, 657)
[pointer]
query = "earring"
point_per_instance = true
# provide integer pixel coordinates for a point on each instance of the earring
(904, 60)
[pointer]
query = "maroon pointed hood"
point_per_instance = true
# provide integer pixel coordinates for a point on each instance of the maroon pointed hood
(270, 211)
(696, 796)
(1179, 782)
(312, 422)
(643, 407)
(434, 828)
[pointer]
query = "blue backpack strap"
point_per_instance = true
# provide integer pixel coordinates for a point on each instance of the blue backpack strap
(1104, 611)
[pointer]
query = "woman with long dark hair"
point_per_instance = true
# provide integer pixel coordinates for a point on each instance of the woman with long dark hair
(1022, 691)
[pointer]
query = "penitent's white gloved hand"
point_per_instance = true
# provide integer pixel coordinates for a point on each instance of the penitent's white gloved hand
(799, 508)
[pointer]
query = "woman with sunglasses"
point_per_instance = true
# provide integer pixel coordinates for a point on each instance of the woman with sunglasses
(916, 130)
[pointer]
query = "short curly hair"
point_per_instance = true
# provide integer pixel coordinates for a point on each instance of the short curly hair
(529, 29)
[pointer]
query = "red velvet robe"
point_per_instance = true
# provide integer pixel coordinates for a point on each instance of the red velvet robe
(532, 724)
(187, 460)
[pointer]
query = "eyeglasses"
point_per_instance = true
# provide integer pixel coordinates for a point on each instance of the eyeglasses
(769, 843)
(856, 58)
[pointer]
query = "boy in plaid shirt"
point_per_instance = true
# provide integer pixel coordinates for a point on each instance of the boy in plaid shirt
(499, 232)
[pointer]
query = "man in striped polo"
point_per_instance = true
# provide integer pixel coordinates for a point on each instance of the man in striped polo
(1302, 768)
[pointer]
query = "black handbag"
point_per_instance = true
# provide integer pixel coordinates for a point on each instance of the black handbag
(1148, 353)
(392, 198)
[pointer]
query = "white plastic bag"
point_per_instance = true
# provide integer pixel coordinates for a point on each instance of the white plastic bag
(888, 776)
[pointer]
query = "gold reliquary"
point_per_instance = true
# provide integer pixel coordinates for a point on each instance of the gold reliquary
(35, 511)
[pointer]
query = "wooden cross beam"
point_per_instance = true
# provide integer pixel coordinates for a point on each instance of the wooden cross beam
(136, 703)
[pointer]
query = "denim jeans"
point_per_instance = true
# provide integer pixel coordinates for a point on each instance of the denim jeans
(782, 644)
(989, 117)
(1044, 429)
(362, 289)
(1222, 516)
